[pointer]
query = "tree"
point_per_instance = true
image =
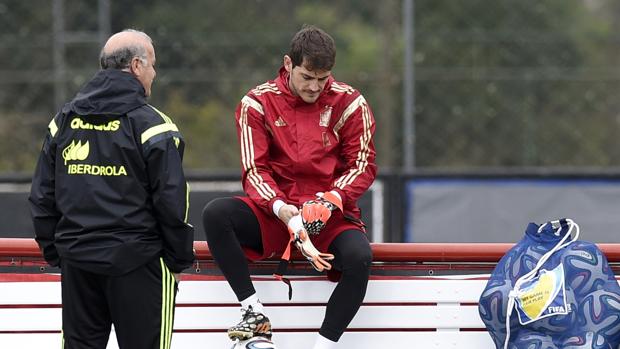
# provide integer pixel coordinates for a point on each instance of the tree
(498, 84)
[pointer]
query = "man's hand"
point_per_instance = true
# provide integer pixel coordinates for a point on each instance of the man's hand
(287, 212)
(316, 213)
(318, 260)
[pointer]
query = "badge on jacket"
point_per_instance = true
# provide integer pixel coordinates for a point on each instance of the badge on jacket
(325, 116)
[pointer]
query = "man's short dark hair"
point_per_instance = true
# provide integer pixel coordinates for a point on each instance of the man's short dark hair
(315, 46)
(121, 58)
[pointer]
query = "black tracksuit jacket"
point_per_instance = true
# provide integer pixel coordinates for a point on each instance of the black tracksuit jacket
(109, 194)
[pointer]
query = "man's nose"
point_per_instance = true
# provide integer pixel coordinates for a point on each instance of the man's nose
(315, 86)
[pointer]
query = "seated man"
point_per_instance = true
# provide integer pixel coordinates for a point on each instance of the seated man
(306, 140)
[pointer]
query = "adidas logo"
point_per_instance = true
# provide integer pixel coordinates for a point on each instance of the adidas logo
(76, 151)
(280, 122)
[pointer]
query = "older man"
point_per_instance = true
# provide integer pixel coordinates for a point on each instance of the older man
(109, 204)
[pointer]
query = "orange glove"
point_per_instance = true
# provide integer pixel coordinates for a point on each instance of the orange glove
(318, 260)
(316, 213)
(332, 198)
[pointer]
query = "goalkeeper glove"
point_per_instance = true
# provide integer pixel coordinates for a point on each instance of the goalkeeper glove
(315, 213)
(299, 236)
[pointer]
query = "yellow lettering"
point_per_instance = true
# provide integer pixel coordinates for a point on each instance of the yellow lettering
(96, 170)
(110, 126)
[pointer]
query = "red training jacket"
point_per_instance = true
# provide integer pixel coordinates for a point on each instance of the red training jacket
(290, 149)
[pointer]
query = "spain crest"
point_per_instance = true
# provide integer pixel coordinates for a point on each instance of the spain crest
(325, 116)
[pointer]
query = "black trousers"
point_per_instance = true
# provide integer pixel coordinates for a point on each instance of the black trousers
(140, 304)
(229, 224)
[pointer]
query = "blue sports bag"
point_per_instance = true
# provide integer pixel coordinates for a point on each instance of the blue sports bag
(559, 293)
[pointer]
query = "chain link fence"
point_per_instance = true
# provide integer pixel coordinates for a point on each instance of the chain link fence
(497, 84)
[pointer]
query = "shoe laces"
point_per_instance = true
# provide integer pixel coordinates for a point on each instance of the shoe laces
(245, 313)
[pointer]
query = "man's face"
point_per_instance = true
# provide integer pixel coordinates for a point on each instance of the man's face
(307, 84)
(145, 73)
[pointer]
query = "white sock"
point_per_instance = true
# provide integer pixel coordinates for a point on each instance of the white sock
(253, 300)
(323, 343)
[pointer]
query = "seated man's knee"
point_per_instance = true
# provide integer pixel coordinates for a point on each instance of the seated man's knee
(214, 213)
(218, 207)
(357, 258)
(364, 257)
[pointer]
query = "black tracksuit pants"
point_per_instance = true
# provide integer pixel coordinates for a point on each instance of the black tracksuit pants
(229, 223)
(140, 304)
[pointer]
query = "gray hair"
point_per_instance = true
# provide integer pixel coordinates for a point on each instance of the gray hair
(121, 58)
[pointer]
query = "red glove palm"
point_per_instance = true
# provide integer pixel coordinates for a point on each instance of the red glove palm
(316, 213)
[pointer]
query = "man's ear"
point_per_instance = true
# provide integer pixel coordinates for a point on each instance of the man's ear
(136, 65)
(288, 63)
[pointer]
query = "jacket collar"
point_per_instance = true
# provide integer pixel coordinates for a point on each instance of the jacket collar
(109, 92)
